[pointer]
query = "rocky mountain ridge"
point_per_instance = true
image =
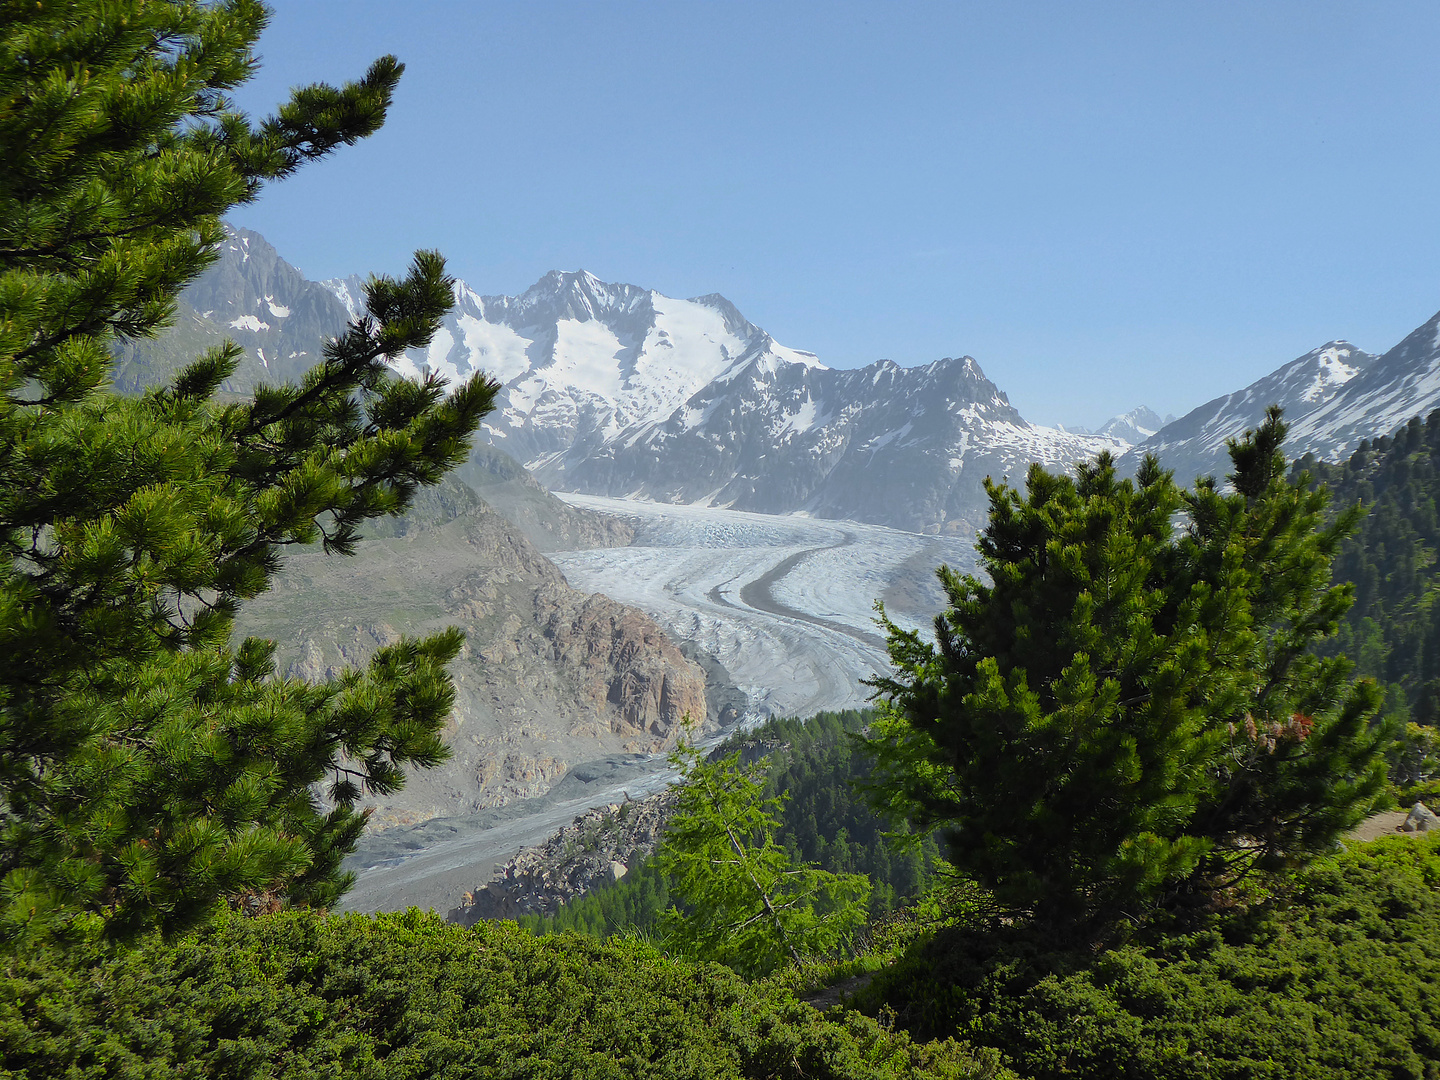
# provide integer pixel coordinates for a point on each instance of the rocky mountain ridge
(1334, 397)
(548, 677)
(615, 390)
(597, 849)
(618, 390)
(1194, 445)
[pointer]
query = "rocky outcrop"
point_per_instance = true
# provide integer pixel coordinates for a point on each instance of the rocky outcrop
(623, 660)
(1420, 819)
(548, 677)
(598, 848)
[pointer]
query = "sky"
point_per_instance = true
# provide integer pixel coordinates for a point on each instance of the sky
(1107, 204)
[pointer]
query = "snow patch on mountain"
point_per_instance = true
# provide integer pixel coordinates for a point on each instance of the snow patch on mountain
(616, 390)
(1194, 445)
(1375, 399)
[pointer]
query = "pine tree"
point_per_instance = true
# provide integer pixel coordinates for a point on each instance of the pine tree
(149, 767)
(1130, 711)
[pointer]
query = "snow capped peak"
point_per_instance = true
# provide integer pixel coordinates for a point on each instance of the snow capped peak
(1306, 387)
(1135, 426)
(1362, 400)
(579, 295)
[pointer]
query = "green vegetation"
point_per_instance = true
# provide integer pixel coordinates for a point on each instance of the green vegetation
(826, 820)
(300, 995)
(748, 904)
(1114, 732)
(149, 769)
(1335, 978)
(1130, 714)
(1393, 630)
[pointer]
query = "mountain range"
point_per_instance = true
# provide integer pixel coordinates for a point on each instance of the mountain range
(613, 389)
(616, 390)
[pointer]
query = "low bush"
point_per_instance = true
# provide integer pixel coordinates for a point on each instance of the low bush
(1337, 978)
(302, 995)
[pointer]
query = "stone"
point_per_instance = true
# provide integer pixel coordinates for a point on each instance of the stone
(1420, 819)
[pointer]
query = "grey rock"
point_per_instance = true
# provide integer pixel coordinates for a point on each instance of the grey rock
(1420, 819)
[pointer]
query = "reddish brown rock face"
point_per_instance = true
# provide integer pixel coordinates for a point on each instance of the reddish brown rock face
(626, 664)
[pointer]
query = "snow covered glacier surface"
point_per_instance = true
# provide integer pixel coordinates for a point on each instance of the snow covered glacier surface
(784, 602)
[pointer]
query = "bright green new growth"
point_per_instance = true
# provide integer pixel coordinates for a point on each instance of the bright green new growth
(750, 905)
(148, 768)
(1129, 713)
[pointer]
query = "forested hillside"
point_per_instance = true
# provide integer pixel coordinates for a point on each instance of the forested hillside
(1393, 630)
(819, 770)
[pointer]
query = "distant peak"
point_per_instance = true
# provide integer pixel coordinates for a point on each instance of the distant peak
(580, 295)
(1135, 426)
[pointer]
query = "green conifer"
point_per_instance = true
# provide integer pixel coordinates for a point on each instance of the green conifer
(1130, 711)
(149, 767)
(750, 905)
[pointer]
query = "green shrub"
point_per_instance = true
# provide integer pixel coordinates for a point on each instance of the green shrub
(300, 995)
(1338, 979)
(826, 820)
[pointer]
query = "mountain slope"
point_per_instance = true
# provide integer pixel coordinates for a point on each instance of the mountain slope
(1194, 445)
(549, 676)
(616, 390)
(251, 296)
(584, 362)
(1392, 631)
(1403, 383)
(905, 447)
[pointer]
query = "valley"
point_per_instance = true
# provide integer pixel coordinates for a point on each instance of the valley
(782, 603)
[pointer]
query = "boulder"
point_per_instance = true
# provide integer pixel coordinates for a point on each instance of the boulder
(1420, 819)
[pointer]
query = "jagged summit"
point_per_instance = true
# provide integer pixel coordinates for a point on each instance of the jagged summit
(571, 294)
(614, 389)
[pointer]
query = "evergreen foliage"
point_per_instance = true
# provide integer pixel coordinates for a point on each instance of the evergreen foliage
(406, 996)
(747, 903)
(1393, 630)
(148, 768)
(1338, 979)
(1130, 711)
(825, 820)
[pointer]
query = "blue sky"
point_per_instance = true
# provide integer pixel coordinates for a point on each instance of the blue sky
(1105, 204)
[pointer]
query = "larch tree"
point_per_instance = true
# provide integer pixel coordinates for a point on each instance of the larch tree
(1129, 713)
(150, 767)
(748, 903)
